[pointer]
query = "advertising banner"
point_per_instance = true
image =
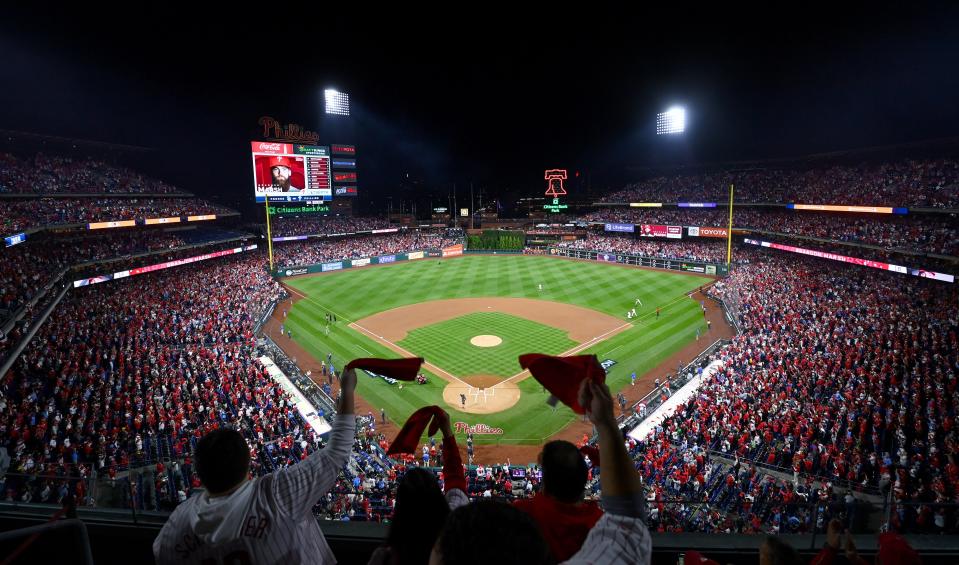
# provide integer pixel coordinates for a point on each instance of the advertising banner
(383, 259)
(361, 262)
(297, 271)
(152, 221)
(692, 268)
(646, 204)
(625, 228)
(201, 218)
(15, 239)
(654, 230)
(856, 261)
(606, 257)
(390, 230)
(696, 204)
(415, 255)
(453, 250)
(325, 267)
(837, 208)
(108, 225)
(290, 238)
(160, 266)
(696, 231)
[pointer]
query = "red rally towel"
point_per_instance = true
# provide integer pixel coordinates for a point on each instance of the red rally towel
(409, 437)
(562, 375)
(400, 369)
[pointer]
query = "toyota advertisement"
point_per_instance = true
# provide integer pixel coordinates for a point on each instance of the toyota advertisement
(696, 231)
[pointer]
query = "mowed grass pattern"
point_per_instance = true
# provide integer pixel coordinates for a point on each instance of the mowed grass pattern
(447, 344)
(357, 293)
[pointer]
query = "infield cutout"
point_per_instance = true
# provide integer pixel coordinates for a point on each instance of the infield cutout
(486, 340)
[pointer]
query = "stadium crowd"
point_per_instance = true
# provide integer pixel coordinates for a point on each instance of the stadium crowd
(313, 251)
(19, 215)
(932, 233)
(51, 174)
(323, 225)
(708, 250)
(923, 183)
(124, 374)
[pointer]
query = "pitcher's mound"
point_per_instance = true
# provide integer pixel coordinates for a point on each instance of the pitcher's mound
(486, 341)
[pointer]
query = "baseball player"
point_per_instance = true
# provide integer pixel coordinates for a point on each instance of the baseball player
(264, 520)
(639, 302)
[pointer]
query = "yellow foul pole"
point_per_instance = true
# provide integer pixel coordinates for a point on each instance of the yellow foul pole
(729, 233)
(269, 236)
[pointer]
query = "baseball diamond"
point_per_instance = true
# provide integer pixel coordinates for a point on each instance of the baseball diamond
(433, 310)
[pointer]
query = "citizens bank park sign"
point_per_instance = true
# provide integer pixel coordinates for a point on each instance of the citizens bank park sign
(478, 429)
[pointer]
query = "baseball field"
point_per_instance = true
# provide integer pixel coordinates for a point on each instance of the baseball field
(470, 317)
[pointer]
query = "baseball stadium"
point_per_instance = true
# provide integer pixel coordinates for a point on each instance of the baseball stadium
(627, 296)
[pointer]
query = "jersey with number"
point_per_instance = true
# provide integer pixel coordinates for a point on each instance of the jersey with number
(267, 520)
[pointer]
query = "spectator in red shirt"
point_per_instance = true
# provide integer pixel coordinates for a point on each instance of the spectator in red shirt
(559, 510)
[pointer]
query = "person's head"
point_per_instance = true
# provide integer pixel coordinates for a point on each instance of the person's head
(564, 471)
(421, 509)
(222, 460)
(281, 176)
(487, 532)
(774, 551)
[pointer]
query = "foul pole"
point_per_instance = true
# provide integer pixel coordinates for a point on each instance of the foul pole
(729, 232)
(269, 235)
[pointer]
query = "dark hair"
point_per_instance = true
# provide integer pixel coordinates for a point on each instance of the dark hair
(222, 460)
(421, 509)
(781, 553)
(564, 471)
(489, 531)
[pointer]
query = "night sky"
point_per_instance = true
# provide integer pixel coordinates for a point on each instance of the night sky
(482, 94)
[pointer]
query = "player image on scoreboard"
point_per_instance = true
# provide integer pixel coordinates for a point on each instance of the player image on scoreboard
(284, 171)
(279, 174)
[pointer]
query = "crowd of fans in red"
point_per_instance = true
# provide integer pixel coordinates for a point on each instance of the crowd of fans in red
(324, 225)
(925, 183)
(19, 215)
(313, 251)
(708, 250)
(51, 174)
(924, 233)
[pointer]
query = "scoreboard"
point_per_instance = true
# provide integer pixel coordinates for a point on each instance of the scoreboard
(290, 172)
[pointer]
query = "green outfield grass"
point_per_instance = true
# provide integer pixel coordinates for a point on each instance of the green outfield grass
(356, 293)
(447, 344)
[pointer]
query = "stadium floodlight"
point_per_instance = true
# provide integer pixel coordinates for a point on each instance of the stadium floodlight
(671, 121)
(337, 103)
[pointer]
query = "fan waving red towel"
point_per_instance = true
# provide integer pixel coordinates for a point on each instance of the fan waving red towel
(562, 375)
(399, 369)
(409, 437)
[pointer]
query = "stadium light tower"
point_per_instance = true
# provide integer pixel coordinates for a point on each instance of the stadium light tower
(337, 103)
(671, 121)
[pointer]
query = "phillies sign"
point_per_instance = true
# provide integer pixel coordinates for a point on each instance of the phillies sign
(273, 129)
(478, 429)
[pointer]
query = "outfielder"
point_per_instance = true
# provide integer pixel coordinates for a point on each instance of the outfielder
(264, 520)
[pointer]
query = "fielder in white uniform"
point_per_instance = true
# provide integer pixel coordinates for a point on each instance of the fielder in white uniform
(236, 521)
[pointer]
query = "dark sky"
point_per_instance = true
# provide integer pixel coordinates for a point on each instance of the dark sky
(483, 94)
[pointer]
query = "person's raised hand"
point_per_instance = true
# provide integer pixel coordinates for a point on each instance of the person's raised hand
(833, 534)
(598, 402)
(443, 418)
(347, 386)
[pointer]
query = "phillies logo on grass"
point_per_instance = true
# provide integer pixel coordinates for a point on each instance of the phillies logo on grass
(478, 429)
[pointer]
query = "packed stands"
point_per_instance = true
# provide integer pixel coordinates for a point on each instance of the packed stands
(923, 183)
(707, 250)
(52, 174)
(324, 225)
(924, 233)
(312, 251)
(19, 215)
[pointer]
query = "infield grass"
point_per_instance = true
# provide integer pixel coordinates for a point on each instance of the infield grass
(356, 293)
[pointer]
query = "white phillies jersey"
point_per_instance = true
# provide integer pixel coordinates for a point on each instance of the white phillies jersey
(267, 520)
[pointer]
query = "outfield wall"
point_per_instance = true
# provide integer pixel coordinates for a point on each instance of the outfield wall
(715, 269)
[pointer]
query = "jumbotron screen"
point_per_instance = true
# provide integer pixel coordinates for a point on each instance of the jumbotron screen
(290, 172)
